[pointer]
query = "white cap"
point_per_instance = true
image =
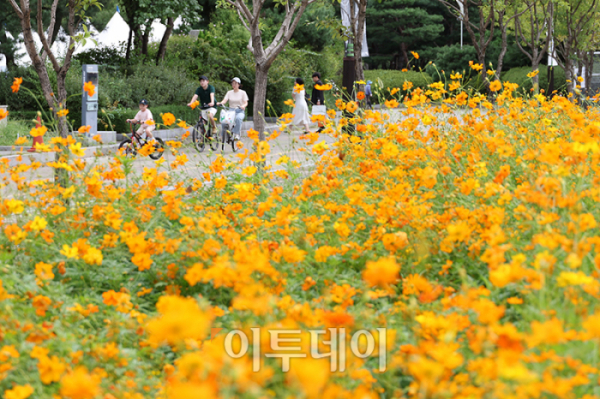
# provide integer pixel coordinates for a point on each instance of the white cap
(236, 80)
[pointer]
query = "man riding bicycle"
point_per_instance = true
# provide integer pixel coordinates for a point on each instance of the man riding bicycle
(206, 96)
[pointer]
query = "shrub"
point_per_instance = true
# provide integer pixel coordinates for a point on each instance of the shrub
(392, 78)
(519, 76)
(116, 117)
(449, 59)
(21, 101)
(102, 55)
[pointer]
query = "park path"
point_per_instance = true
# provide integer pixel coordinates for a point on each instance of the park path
(289, 144)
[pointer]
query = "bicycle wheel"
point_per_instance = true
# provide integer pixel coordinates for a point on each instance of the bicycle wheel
(128, 148)
(213, 139)
(224, 137)
(159, 149)
(234, 141)
(199, 136)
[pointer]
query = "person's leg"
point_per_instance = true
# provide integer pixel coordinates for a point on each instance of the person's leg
(149, 134)
(211, 117)
(239, 120)
(224, 128)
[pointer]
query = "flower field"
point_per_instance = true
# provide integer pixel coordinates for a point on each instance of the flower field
(464, 238)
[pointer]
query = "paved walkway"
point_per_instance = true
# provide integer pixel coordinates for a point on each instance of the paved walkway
(291, 145)
(287, 144)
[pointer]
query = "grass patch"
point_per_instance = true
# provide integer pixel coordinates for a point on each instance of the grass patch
(13, 130)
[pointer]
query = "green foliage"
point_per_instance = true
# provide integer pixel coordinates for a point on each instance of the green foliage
(21, 101)
(450, 59)
(160, 85)
(102, 55)
(114, 119)
(519, 76)
(402, 25)
(308, 35)
(13, 130)
(395, 79)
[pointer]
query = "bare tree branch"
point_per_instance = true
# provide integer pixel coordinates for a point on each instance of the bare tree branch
(18, 10)
(42, 36)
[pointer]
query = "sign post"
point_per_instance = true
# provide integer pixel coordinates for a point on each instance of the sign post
(89, 105)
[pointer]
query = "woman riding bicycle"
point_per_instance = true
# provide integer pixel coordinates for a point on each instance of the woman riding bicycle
(237, 99)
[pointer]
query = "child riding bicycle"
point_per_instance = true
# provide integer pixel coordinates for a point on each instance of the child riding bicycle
(206, 95)
(142, 117)
(237, 99)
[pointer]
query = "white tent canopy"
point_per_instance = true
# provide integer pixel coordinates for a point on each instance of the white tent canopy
(116, 32)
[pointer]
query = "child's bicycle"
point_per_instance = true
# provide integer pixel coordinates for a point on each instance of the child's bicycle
(227, 120)
(130, 147)
(202, 133)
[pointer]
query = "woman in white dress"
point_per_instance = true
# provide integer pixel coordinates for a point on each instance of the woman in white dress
(301, 115)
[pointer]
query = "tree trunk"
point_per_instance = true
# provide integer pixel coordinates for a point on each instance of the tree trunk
(129, 42)
(146, 39)
(359, 33)
(162, 48)
(482, 73)
(536, 79)
(404, 51)
(589, 66)
(503, 46)
(9, 50)
(260, 96)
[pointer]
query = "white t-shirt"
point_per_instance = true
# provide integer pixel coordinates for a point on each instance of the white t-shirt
(236, 99)
(143, 116)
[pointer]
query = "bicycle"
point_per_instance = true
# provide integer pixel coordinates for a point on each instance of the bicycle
(227, 118)
(131, 146)
(201, 134)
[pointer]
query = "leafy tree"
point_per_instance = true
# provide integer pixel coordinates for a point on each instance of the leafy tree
(9, 24)
(532, 31)
(250, 13)
(140, 14)
(309, 34)
(479, 18)
(573, 23)
(396, 27)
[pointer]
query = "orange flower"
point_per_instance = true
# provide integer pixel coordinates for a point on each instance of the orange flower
(84, 129)
(38, 131)
(79, 384)
(415, 54)
(180, 319)
(89, 88)
(3, 114)
(352, 107)
(16, 85)
(325, 87)
(168, 119)
(62, 112)
(360, 95)
(495, 85)
(195, 104)
(381, 273)
(19, 392)
(298, 88)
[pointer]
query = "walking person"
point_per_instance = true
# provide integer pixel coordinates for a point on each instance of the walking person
(237, 99)
(318, 98)
(368, 94)
(301, 115)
